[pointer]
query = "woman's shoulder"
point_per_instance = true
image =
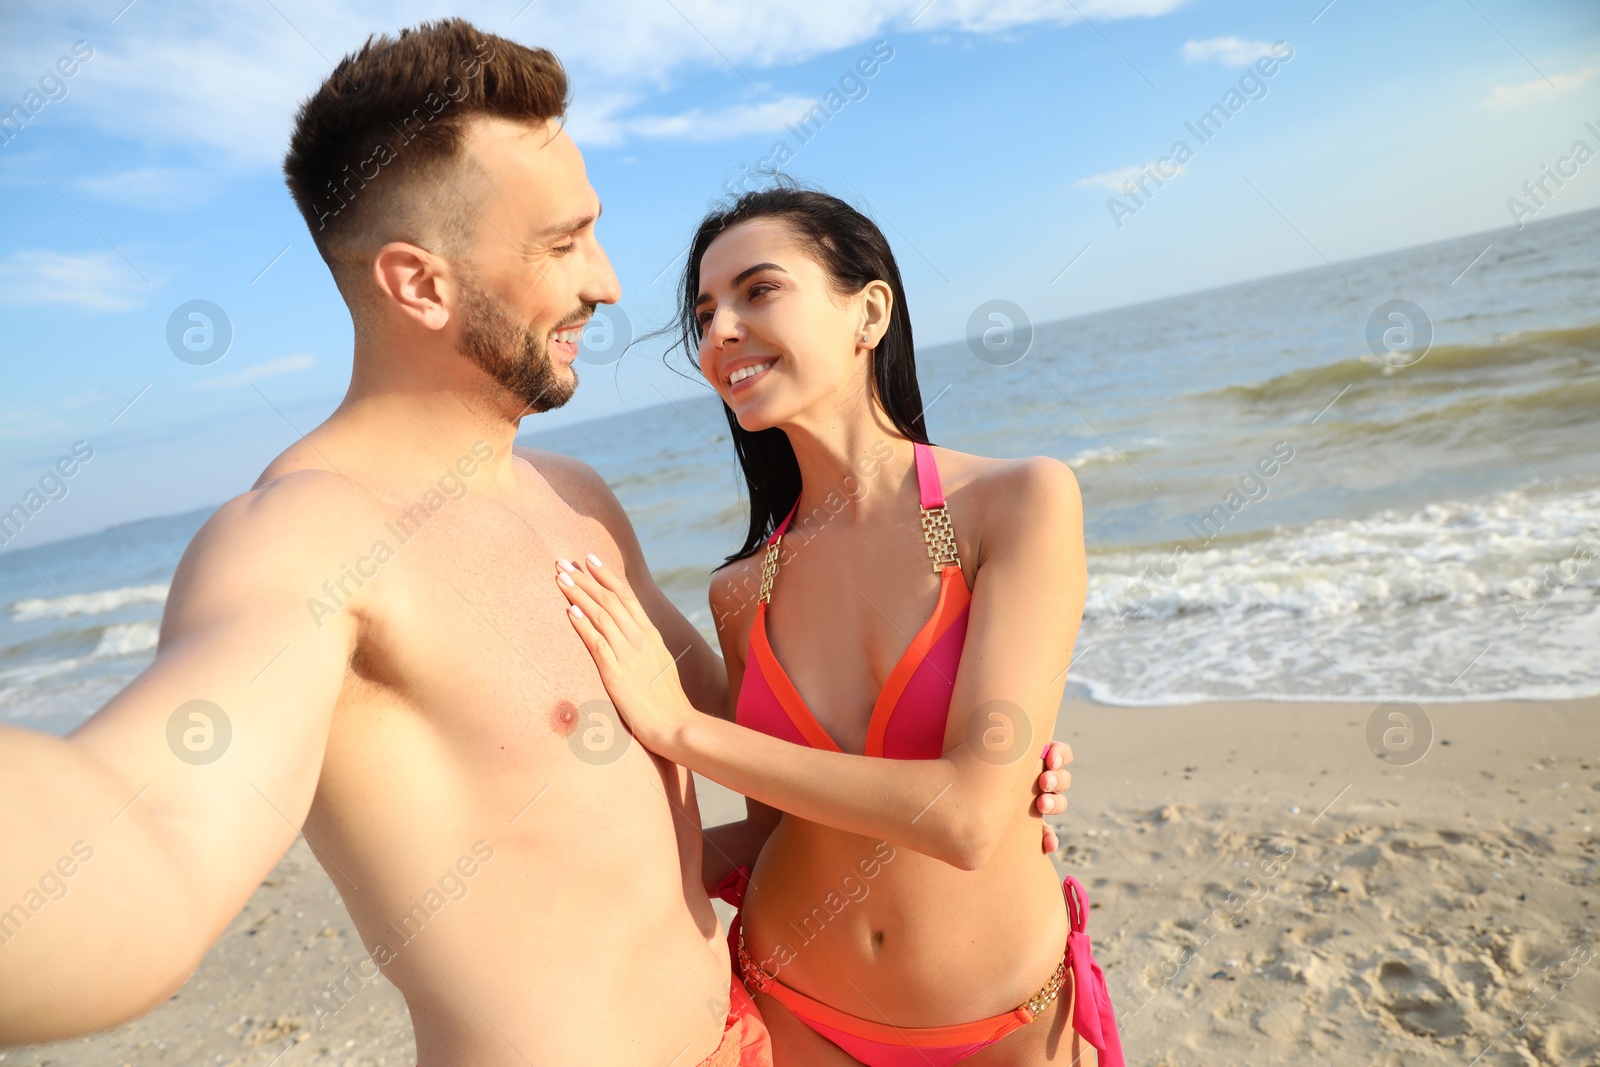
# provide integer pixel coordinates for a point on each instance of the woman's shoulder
(735, 588)
(1002, 491)
(1000, 506)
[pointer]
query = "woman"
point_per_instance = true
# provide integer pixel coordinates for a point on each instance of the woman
(900, 911)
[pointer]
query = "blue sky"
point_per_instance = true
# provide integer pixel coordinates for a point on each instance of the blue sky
(988, 145)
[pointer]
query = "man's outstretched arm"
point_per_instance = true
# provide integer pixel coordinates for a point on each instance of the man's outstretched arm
(131, 844)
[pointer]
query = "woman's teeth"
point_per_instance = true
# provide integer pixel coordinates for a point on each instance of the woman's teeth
(744, 372)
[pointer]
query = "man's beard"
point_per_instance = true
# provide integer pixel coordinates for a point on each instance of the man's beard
(511, 353)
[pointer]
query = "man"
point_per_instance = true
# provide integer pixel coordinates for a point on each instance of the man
(368, 644)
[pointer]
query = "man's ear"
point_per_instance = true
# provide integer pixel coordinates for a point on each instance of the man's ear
(416, 282)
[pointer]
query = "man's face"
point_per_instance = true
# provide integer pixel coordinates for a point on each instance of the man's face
(533, 270)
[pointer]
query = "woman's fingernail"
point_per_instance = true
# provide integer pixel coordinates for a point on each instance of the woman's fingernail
(592, 558)
(1050, 780)
(565, 564)
(577, 612)
(566, 579)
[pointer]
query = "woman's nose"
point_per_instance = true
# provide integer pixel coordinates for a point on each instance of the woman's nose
(723, 328)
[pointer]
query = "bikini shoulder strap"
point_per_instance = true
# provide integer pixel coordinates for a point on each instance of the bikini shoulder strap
(769, 565)
(936, 528)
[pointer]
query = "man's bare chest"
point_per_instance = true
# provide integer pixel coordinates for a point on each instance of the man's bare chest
(463, 622)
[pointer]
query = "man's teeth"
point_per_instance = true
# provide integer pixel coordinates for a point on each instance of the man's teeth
(744, 372)
(572, 335)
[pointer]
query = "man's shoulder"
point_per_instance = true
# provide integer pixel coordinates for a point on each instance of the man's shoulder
(285, 493)
(292, 518)
(582, 488)
(567, 475)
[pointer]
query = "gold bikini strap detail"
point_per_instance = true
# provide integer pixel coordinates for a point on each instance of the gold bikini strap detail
(937, 531)
(1048, 992)
(941, 537)
(769, 568)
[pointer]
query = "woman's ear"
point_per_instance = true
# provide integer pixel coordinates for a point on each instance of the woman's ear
(877, 301)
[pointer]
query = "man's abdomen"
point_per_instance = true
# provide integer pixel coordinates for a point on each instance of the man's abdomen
(533, 901)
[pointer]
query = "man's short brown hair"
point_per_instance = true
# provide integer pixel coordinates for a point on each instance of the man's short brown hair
(377, 150)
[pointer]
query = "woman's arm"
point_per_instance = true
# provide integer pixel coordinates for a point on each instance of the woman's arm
(735, 844)
(1026, 606)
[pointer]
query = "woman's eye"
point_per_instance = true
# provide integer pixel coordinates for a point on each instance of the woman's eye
(759, 288)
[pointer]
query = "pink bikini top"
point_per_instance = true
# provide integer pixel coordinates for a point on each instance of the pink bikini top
(908, 718)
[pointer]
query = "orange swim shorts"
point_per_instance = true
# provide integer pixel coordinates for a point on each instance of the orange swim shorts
(744, 1036)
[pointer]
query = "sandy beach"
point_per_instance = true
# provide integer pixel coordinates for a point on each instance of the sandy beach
(1263, 882)
(1266, 889)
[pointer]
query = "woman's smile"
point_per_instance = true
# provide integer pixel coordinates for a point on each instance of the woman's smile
(744, 377)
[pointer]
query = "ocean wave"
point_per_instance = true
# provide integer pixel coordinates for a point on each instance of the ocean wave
(1449, 602)
(87, 603)
(1549, 357)
(1439, 652)
(128, 639)
(1523, 546)
(1109, 453)
(28, 673)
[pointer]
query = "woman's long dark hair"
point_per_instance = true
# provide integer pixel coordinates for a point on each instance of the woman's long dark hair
(853, 251)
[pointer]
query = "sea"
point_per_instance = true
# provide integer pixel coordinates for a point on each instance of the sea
(1367, 481)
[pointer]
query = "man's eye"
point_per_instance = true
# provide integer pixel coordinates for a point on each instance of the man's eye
(564, 249)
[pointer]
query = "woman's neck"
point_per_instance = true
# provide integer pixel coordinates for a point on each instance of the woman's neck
(865, 461)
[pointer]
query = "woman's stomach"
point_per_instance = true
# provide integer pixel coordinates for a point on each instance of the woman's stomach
(877, 930)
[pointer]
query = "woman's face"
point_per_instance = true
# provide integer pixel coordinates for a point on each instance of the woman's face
(775, 339)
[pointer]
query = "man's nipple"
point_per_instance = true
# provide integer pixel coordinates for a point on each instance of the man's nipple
(563, 717)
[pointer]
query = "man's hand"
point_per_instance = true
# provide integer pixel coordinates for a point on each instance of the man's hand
(1049, 789)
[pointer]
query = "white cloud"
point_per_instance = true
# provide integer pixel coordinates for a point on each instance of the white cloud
(157, 188)
(221, 81)
(1113, 179)
(257, 371)
(85, 399)
(25, 423)
(1229, 51)
(1506, 97)
(737, 121)
(93, 281)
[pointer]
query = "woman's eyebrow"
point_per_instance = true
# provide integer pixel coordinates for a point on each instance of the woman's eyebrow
(738, 279)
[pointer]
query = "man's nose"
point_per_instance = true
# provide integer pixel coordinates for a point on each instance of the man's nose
(602, 287)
